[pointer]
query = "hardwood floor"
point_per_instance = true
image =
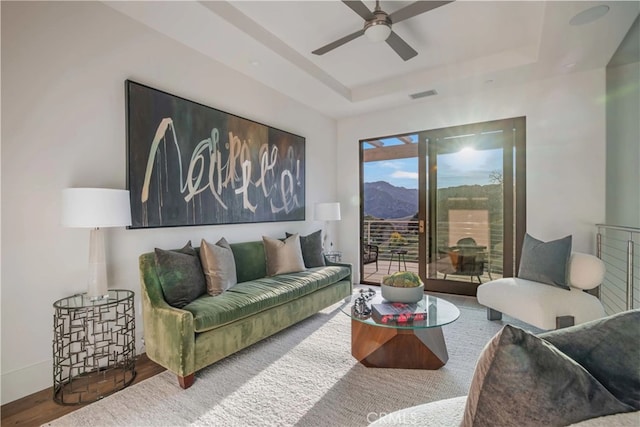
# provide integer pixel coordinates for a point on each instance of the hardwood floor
(39, 408)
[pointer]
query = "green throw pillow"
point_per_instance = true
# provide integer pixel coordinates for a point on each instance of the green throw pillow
(522, 380)
(546, 262)
(180, 275)
(311, 246)
(609, 349)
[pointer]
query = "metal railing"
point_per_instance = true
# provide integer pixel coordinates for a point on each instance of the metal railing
(617, 246)
(403, 234)
(393, 234)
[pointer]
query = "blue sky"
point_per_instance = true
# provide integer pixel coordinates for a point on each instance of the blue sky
(466, 167)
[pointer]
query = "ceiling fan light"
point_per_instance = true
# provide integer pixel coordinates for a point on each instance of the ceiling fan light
(378, 32)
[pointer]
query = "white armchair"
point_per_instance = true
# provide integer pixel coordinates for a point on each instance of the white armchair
(546, 306)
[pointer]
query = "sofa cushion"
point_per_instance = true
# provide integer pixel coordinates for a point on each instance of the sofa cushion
(180, 275)
(311, 246)
(248, 298)
(538, 304)
(218, 265)
(609, 349)
(521, 379)
(545, 262)
(283, 256)
(448, 413)
(440, 413)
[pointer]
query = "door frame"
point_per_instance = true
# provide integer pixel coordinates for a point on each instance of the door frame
(514, 202)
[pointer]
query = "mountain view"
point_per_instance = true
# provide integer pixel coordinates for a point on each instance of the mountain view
(383, 200)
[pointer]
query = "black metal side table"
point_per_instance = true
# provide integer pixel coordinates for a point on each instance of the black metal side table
(94, 347)
(400, 253)
(334, 256)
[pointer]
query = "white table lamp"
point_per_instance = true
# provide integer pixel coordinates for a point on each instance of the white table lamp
(96, 208)
(327, 212)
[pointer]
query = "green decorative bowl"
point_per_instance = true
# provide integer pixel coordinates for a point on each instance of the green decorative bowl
(406, 295)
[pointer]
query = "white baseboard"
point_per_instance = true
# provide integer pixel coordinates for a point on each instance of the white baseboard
(25, 381)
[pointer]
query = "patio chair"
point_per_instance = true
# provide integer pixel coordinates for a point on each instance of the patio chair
(370, 254)
(467, 259)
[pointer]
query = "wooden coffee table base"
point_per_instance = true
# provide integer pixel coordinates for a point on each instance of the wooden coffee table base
(383, 347)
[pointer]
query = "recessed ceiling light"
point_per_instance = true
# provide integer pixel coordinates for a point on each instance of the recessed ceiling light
(589, 15)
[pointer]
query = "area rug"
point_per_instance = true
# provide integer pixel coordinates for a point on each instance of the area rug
(303, 376)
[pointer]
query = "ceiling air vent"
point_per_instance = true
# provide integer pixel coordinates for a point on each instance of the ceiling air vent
(423, 94)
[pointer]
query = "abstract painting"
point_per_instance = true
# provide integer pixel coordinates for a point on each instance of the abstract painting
(189, 164)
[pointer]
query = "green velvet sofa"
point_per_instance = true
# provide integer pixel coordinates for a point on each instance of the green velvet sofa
(211, 328)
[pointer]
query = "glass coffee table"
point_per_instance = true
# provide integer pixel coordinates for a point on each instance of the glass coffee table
(416, 344)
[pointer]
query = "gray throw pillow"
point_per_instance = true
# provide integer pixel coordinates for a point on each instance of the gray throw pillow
(283, 256)
(180, 275)
(218, 265)
(522, 380)
(311, 246)
(609, 349)
(546, 262)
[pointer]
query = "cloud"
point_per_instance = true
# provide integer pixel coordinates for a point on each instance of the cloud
(390, 165)
(405, 175)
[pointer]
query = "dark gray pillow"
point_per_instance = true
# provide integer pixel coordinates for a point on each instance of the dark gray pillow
(180, 275)
(609, 349)
(522, 380)
(311, 246)
(218, 265)
(546, 262)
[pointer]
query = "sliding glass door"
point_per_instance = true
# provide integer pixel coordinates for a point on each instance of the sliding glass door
(391, 196)
(446, 203)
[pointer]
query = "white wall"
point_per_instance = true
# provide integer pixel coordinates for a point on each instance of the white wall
(623, 132)
(565, 150)
(63, 124)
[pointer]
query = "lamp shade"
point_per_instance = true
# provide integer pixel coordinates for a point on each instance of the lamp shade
(95, 208)
(327, 211)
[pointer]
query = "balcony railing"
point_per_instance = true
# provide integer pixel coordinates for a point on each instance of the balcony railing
(618, 248)
(393, 234)
(388, 235)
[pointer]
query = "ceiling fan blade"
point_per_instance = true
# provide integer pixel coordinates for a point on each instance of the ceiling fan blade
(358, 7)
(401, 47)
(415, 9)
(338, 43)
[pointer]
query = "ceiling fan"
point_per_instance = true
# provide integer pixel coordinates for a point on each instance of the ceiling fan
(377, 25)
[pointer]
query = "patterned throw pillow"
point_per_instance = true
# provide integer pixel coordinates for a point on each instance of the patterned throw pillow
(283, 256)
(180, 275)
(218, 265)
(311, 246)
(546, 262)
(523, 380)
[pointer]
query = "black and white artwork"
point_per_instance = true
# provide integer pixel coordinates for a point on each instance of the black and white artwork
(189, 164)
